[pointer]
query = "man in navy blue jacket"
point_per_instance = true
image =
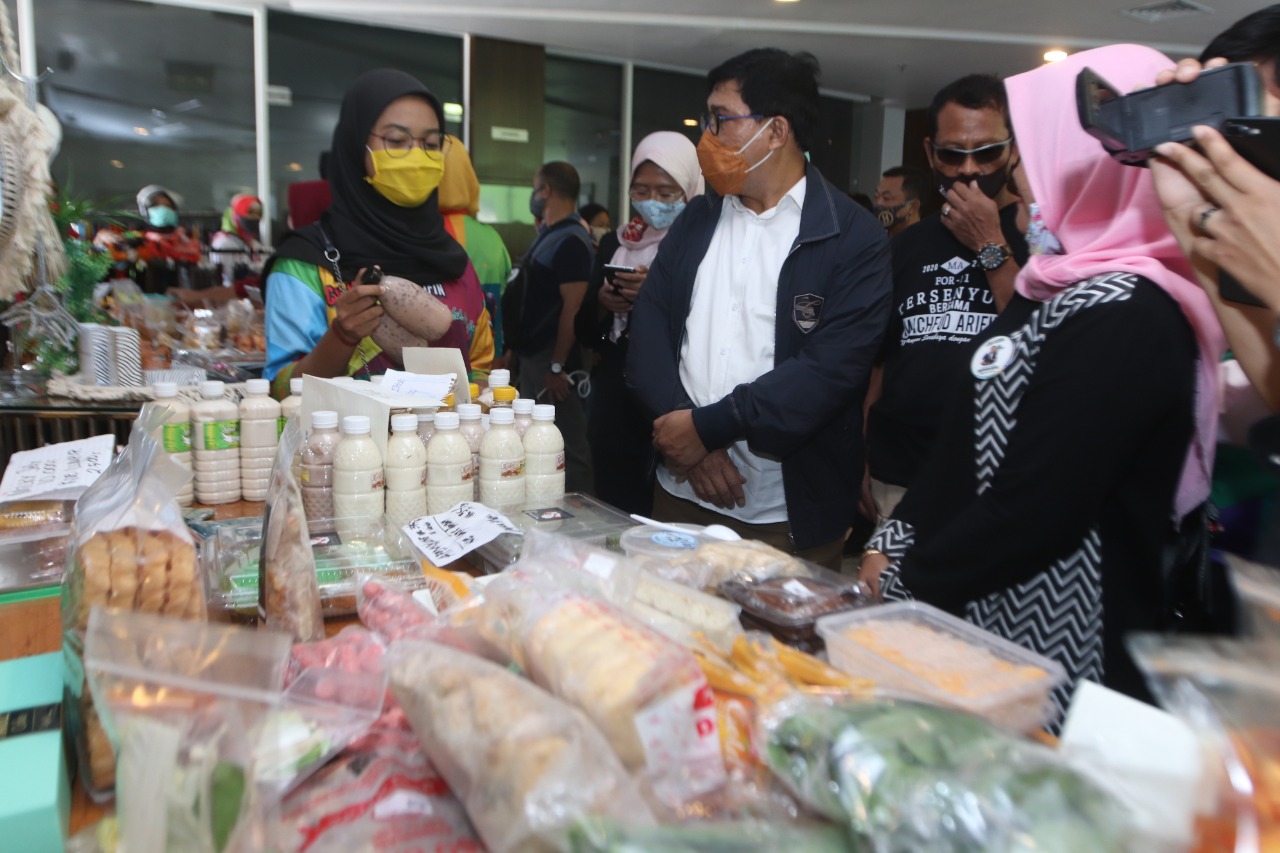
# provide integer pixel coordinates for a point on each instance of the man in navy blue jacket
(754, 334)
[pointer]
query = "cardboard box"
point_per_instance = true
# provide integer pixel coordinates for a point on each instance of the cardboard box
(35, 787)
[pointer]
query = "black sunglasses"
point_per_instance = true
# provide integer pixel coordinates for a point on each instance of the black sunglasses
(986, 155)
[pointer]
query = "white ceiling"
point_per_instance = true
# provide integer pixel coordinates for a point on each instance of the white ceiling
(899, 50)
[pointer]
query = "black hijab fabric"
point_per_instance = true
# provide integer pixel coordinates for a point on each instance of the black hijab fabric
(367, 229)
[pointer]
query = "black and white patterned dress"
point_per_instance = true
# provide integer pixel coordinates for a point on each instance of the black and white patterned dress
(1051, 600)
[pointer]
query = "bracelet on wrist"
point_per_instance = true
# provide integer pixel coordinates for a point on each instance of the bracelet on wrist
(343, 337)
(867, 552)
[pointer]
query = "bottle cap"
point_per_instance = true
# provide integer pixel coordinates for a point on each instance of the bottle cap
(324, 420)
(499, 377)
(475, 390)
(446, 420)
(504, 394)
(257, 387)
(376, 380)
(404, 423)
(469, 411)
(165, 390)
(544, 412)
(502, 417)
(523, 405)
(357, 425)
(295, 387)
(212, 389)
(425, 416)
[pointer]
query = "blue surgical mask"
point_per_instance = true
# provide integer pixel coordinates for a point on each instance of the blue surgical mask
(1040, 240)
(537, 204)
(659, 214)
(162, 217)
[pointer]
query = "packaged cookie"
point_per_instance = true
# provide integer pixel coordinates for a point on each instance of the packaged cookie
(128, 549)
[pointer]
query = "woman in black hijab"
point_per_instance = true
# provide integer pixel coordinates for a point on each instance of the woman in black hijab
(385, 163)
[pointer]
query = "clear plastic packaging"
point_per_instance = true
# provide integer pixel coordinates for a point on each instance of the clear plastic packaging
(1227, 692)
(1258, 590)
(902, 776)
(742, 836)
(575, 515)
(524, 764)
(129, 550)
(288, 590)
(912, 649)
(789, 606)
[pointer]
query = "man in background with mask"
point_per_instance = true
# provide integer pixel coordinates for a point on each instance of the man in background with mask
(899, 196)
(558, 267)
(753, 337)
(952, 274)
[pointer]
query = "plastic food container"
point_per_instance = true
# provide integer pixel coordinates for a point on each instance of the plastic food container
(912, 649)
(230, 554)
(1258, 588)
(679, 612)
(576, 515)
(789, 607)
(649, 542)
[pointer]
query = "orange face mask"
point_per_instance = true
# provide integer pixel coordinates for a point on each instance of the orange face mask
(724, 169)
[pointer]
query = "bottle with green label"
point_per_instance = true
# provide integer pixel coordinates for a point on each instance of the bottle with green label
(215, 432)
(289, 405)
(174, 434)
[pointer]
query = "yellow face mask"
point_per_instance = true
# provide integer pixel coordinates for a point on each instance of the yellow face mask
(409, 179)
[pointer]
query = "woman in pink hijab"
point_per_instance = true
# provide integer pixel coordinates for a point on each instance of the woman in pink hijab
(1086, 432)
(664, 176)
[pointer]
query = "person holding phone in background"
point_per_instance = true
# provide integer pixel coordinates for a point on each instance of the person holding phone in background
(664, 177)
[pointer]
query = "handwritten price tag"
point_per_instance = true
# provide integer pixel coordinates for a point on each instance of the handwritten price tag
(452, 534)
(432, 388)
(58, 471)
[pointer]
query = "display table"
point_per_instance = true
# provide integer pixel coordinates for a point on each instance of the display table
(34, 627)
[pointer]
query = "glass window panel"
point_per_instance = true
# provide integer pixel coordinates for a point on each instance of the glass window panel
(317, 59)
(142, 100)
(666, 100)
(584, 125)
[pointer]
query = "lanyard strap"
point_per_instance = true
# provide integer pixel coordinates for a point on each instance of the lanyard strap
(332, 255)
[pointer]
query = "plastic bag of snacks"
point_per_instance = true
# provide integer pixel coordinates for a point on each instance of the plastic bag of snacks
(905, 776)
(524, 764)
(128, 549)
(353, 650)
(645, 692)
(1227, 692)
(289, 593)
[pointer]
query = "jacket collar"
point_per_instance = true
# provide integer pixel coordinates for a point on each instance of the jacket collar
(818, 219)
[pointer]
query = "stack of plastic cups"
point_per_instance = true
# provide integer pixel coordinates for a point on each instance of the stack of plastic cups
(127, 349)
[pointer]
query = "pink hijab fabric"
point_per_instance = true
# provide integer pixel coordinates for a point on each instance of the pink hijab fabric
(678, 157)
(1108, 219)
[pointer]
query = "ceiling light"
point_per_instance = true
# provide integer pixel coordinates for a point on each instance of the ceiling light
(142, 131)
(691, 122)
(1055, 55)
(117, 164)
(452, 111)
(294, 167)
(788, 1)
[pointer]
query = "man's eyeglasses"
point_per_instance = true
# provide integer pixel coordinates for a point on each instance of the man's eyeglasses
(666, 195)
(712, 122)
(400, 144)
(985, 155)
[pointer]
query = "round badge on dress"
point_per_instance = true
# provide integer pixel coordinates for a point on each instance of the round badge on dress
(992, 357)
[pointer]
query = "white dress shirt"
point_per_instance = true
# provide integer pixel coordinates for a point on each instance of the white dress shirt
(729, 335)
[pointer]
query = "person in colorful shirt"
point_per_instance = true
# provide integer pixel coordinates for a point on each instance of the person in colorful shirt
(386, 162)
(237, 248)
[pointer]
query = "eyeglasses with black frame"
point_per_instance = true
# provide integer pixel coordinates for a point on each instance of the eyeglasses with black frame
(984, 155)
(399, 144)
(713, 122)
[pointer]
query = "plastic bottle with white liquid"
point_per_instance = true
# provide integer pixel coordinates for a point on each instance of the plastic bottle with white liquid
(501, 462)
(289, 405)
(449, 473)
(215, 446)
(406, 467)
(544, 455)
(426, 424)
(358, 478)
(472, 430)
(259, 436)
(523, 407)
(316, 475)
(174, 434)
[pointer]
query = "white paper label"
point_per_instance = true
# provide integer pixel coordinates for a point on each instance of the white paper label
(600, 565)
(682, 742)
(423, 597)
(58, 471)
(798, 589)
(451, 535)
(402, 803)
(431, 388)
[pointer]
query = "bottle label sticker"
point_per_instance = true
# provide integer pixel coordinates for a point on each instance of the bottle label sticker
(513, 468)
(560, 461)
(378, 481)
(221, 435)
(176, 438)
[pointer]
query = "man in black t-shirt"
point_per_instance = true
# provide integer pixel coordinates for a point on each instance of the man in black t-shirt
(559, 265)
(952, 273)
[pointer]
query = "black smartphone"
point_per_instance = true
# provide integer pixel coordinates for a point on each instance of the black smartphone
(1257, 139)
(1130, 126)
(373, 275)
(1232, 290)
(610, 269)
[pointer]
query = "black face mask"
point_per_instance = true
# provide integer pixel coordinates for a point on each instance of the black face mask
(991, 184)
(250, 224)
(890, 215)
